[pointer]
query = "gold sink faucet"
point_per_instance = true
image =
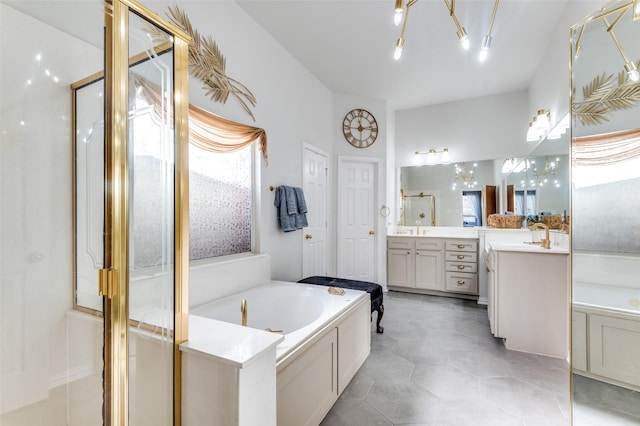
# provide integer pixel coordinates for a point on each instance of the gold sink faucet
(243, 309)
(546, 242)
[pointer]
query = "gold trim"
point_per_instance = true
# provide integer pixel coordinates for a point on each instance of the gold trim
(117, 220)
(155, 19)
(181, 284)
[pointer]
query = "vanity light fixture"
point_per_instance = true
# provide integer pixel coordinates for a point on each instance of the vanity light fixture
(487, 40)
(431, 156)
(539, 126)
(560, 128)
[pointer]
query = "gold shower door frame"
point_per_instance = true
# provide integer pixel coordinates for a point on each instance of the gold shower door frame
(114, 280)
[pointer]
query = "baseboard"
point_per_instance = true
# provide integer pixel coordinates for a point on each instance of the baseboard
(483, 301)
(71, 375)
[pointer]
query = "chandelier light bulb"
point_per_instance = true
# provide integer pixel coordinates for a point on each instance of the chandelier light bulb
(484, 49)
(397, 17)
(632, 71)
(464, 39)
(399, 7)
(399, 46)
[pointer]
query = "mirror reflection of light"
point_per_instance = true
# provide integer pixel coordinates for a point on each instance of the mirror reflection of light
(55, 79)
(38, 57)
(585, 176)
(22, 123)
(46, 71)
(29, 82)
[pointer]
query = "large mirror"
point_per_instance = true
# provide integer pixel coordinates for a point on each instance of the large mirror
(539, 184)
(464, 194)
(605, 224)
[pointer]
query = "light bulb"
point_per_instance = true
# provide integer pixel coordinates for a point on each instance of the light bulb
(484, 49)
(445, 156)
(399, 46)
(397, 17)
(431, 157)
(632, 71)
(464, 40)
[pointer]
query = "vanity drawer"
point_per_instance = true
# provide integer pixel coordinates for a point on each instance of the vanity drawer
(400, 243)
(462, 245)
(462, 267)
(461, 282)
(429, 244)
(459, 256)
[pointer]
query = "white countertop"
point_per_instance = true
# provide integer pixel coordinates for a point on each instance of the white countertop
(228, 343)
(528, 248)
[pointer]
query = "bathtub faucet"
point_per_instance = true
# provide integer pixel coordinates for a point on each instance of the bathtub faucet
(243, 310)
(546, 242)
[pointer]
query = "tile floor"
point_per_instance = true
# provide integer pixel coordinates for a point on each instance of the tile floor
(438, 364)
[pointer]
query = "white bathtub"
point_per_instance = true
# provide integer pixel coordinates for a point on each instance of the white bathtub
(606, 317)
(299, 310)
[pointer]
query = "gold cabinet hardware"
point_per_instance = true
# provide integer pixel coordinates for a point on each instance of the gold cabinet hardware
(461, 266)
(408, 252)
(107, 282)
(460, 246)
(371, 232)
(460, 282)
(308, 236)
(461, 256)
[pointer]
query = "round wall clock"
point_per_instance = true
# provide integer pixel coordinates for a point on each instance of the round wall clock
(360, 128)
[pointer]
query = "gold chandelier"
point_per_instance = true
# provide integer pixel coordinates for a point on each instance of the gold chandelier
(401, 14)
(465, 177)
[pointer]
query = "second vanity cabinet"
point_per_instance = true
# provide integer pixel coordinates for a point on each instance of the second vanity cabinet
(428, 265)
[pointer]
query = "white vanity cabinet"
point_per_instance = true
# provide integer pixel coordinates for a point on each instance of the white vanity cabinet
(461, 266)
(529, 298)
(433, 265)
(428, 264)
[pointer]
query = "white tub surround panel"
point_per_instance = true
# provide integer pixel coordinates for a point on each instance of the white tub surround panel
(213, 279)
(228, 374)
(529, 297)
(606, 318)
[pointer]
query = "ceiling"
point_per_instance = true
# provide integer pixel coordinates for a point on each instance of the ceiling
(349, 44)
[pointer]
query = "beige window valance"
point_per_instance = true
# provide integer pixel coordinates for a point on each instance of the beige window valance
(207, 130)
(607, 148)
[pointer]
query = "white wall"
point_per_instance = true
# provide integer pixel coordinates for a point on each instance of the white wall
(550, 86)
(293, 107)
(474, 129)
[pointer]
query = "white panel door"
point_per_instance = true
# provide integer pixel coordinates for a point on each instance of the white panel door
(357, 187)
(314, 184)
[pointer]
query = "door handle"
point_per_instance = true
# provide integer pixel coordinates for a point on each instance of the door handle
(308, 236)
(371, 232)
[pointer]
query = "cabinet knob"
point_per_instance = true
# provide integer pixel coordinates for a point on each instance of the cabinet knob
(461, 246)
(461, 256)
(371, 232)
(461, 266)
(460, 282)
(408, 252)
(308, 236)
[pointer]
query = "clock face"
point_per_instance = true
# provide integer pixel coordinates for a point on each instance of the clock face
(360, 128)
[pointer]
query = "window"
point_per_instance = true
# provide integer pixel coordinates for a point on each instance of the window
(220, 202)
(471, 208)
(526, 202)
